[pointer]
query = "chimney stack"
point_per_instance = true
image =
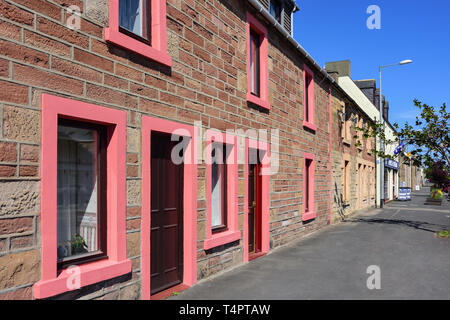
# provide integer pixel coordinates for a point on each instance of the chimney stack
(338, 69)
(369, 88)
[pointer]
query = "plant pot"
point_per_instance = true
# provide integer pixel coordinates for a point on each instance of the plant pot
(434, 202)
(77, 250)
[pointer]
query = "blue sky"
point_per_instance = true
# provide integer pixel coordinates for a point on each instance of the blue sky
(332, 30)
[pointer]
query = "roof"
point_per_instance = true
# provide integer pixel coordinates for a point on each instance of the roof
(352, 90)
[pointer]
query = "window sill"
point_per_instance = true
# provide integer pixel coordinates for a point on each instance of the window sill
(308, 215)
(258, 101)
(347, 142)
(137, 46)
(221, 238)
(90, 273)
(309, 125)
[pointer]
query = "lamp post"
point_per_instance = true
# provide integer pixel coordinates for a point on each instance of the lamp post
(382, 195)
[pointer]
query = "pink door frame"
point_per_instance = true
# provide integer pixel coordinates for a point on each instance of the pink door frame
(150, 124)
(265, 197)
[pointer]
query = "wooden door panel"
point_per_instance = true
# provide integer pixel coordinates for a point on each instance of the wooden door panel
(254, 209)
(258, 211)
(166, 216)
(251, 208)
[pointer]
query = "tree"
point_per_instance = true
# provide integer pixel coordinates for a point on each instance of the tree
(438, 175)
(429, 139)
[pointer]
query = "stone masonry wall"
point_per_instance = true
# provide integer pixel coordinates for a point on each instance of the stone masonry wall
(207, 82)
(356, 155)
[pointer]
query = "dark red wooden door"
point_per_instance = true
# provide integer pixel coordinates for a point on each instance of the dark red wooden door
(251, 208)
(254, 209)
(166, 216)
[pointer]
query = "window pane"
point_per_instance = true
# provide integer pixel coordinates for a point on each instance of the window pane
(347, 181)
(218, 185)
(216, 201)
(275, 10)
(307, 178)
(254, 62)
(307, 186)
(307, 82)
(77, 211)
(131, 16)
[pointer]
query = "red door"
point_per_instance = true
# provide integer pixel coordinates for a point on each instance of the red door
(166, 216)
(254, 209)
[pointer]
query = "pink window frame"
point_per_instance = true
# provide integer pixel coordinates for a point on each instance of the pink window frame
(232, 233)
(158, 50)
(311, 101)
(54, 281)
(265, 197)
(263, 100)
(149, 125)
(311, 213)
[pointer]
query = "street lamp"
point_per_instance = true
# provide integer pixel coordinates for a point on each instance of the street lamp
(403, 62)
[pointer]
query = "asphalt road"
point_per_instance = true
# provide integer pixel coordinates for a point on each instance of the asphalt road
(332, 263)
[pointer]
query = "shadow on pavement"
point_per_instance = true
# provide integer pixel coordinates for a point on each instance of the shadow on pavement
(419, 225)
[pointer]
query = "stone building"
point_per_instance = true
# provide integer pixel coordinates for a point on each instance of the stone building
(353, 157)
(410, 176)
(367, 97)
(100, 100)
(391, 166)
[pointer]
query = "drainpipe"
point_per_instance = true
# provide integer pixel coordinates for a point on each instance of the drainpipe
(331, 162)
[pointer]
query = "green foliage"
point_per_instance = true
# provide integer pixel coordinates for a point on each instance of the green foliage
(436, 194)
(78, 242)
(430, 138)
(445, 234)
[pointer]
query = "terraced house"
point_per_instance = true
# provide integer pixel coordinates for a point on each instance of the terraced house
(148, 144)
(354, 165)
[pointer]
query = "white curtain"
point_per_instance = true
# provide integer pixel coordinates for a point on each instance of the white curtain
(216, 195)
(77, 188)
(130, 16)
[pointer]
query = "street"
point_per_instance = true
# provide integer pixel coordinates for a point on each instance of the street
(332, 263)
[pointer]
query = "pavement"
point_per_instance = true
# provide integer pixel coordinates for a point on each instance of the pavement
(333, 262)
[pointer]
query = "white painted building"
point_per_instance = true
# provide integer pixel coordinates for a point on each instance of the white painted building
(391, 178)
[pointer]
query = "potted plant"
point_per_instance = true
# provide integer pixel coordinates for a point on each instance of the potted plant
(439, 175)
(78, 245)
(435, 197)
